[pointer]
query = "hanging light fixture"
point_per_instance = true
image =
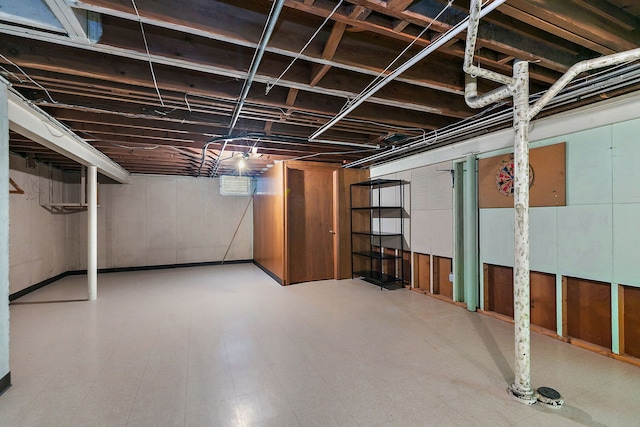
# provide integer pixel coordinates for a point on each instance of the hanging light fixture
(242, 161)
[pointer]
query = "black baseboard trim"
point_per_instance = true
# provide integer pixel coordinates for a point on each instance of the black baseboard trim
(37, 286)
(269, 273)
(50, 280)
(5, 383)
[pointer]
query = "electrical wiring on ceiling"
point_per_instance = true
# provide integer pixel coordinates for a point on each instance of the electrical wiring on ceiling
(271, 85)
(146, 47)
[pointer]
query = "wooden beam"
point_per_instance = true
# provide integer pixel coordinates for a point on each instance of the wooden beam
(359, 13)
(583, 23)
(606, 10)
(319, 71)
(337, 31)
(398, 5)
(399, 25)
(330, 48)
(267, 127)
(291, 97)
(16, 187)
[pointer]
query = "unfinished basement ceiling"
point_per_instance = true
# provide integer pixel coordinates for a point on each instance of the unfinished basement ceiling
(169, 110)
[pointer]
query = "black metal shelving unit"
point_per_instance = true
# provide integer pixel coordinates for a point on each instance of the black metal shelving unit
(370, 259)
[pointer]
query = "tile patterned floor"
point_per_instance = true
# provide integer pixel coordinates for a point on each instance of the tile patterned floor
(227, 346)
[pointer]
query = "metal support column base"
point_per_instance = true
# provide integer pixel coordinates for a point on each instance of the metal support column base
(549, 397)
(526, 397)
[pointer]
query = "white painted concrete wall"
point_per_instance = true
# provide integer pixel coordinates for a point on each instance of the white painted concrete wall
(155, 220)
(159, 220)
(37, 238)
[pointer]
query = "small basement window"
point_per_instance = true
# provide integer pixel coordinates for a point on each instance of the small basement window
(236, 185)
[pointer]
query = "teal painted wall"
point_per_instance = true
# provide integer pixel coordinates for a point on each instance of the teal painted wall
(596, 236)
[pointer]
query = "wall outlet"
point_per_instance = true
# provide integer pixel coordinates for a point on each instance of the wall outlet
(451, 277)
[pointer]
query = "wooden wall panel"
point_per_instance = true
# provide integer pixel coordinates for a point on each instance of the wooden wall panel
(499, 295)
(422, 272)
(589, 311)
(630, 315)
(441, 270)
(499, 288)
(268, 221)
(342, 180)
(543, 300)
(406, 264)
(309, 222)
(549, 175)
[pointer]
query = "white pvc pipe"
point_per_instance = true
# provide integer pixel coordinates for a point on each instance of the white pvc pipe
(92, 232)
(580, 67)
(441, 41)
(475, 13)
(471, 93)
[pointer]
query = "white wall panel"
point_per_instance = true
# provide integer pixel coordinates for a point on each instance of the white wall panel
(441, 193)
(626, 249)
(626, 159)
(543, 239)
(420, 232)
(161, 218)
(584, 241)
(441, 232)
(589, 167)
(496, 236)
(191, 220)
(37, 238)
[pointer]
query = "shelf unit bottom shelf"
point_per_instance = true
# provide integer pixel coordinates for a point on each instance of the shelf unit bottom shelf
(383, 280)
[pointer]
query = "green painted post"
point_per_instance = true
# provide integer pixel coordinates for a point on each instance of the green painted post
(470, 234)
(458, 232)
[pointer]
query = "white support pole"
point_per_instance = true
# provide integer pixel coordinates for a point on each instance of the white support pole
(92, 232)
(521, 388)
(5, 374)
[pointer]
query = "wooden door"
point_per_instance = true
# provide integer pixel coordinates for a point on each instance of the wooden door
(310, 242)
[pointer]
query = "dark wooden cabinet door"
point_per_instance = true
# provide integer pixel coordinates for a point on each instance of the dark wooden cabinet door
(309, 224)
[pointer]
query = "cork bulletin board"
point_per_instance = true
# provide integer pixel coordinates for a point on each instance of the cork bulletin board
(547, 166)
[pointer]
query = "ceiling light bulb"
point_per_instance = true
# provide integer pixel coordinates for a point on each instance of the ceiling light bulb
(241, 163)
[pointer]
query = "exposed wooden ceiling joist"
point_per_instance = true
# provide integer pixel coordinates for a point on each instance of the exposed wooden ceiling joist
(200, 54)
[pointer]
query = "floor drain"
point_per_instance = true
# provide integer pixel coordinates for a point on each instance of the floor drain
(549, 396)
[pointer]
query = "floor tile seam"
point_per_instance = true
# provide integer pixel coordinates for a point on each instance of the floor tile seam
(135, 398)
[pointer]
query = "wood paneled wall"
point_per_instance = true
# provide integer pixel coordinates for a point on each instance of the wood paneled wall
(549, 175)
(498, 285)
(588, 310)
(441, 271)
(630, 320)
(268, 222)
(342, 180)
(422, 272)
(297, 206)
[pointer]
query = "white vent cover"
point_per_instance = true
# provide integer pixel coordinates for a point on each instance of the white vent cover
(236, 185)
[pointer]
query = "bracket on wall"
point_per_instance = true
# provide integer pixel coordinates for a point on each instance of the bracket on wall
(16, 188)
